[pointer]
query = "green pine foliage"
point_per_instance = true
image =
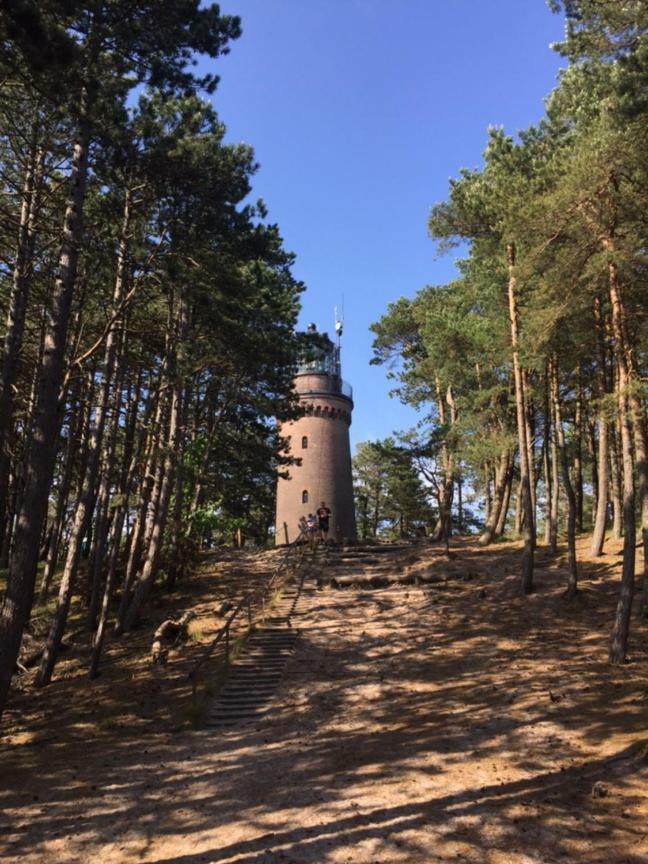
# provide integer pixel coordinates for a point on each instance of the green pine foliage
(129, 222)
(554, 224)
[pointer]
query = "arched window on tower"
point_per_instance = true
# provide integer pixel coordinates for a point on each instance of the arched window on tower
(305, 442)
(305, 496)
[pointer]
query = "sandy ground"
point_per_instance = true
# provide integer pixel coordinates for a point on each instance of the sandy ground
(452, 723)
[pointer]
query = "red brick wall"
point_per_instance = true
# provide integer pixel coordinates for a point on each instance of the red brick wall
(325, 472)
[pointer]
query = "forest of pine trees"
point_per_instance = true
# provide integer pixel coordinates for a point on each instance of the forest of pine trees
(150, 314)
(531, 366)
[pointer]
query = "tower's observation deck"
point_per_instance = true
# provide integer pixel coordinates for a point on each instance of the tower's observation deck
(319, 439)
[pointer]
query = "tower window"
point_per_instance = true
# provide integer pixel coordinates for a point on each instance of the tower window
(305, 496)
(305, 442)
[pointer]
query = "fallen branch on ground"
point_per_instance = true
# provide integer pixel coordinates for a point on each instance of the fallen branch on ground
(167, 631)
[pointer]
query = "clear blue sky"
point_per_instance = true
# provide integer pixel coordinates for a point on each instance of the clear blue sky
(359, 112)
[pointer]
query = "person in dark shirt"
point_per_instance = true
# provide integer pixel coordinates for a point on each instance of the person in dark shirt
(323, 516)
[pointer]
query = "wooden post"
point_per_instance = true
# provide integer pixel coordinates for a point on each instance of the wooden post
(285, 524)
(238, 537)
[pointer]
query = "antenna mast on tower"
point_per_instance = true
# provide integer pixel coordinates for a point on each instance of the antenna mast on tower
(339, 324)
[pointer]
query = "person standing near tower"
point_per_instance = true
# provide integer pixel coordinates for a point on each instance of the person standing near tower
(323, 517)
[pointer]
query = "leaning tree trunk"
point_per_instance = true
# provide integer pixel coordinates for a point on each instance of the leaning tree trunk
(95, 565)
(82, 516)
(529, 437)
(572, 579)
(526, 582)
(136, 540)
(17, 309)
(176, 330)
(149, 569)
(488, 492)
(75, 427)
(45, 421)
(102, 522)
(130, 458)
(86, 502)
(154, 497)
(500, 528)
(501, 476)
(149, 445)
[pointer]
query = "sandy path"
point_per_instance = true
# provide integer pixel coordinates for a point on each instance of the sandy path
(412, 726)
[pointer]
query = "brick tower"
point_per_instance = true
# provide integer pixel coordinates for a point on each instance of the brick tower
(320, 439)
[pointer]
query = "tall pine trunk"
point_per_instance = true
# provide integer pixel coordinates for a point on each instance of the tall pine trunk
(615, 478)
(102, 522)
(578, 454)
(488, 492)
(603, 474)
(75, 432)
(177, 552)
(529, 437)
(517, 516)
(126, 482)
(572, 580)
(161, 503)
(164, 476)
(549, 475)
(501, 522)
(641, 464)
(526, 581)
(45, 421)
(621, 628)
(592, 442)
(150, 460)
(86, 503)
(443, 528)
(17, 311)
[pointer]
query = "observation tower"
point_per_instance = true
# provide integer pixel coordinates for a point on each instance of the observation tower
(320, 440)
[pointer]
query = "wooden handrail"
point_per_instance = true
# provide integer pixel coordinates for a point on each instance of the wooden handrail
(246, 602)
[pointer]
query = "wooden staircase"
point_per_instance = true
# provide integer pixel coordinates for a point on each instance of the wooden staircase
(255, 675)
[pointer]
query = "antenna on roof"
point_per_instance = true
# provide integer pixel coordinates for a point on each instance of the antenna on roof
(339, 323)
